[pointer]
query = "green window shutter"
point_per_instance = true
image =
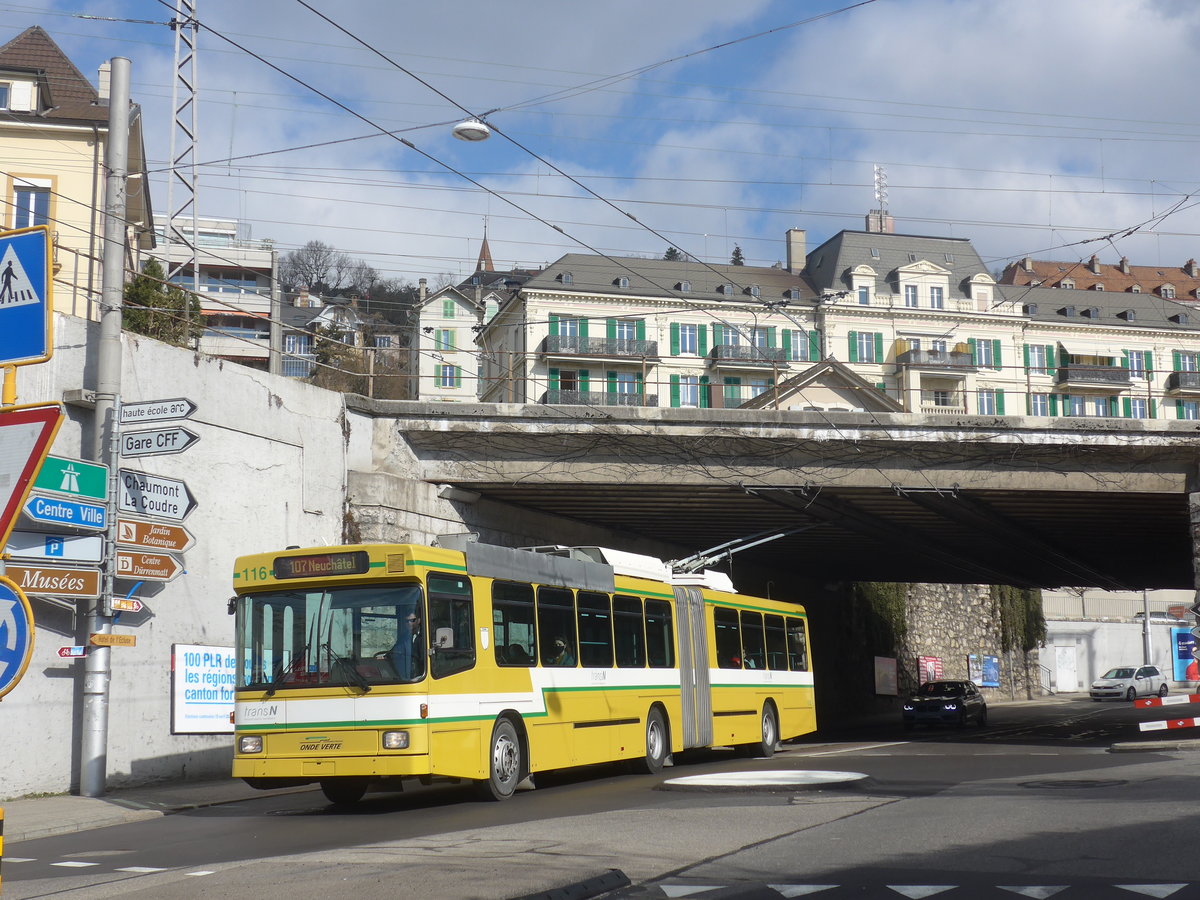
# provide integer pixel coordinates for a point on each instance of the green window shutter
(702, 339)
(610, 329)
(674, 338)
(705, 398)
(458, 376)
(814, 345)
(1054, 404)
(1174, 360)
(554, 324)
(1179, 409)
(583, 329)
(448, 309)
(612, 382)
(1066, 404)
(554, 380)
(1125, 359)
(770, 335)
(787, 343)
(996, 362)
(1026, 352)
(718, 333)
(879, 346)
(1050, 366)
(675, 391)
(1028, 397)
(999, 400)
(639, 329)
(1149, 363)
(1153, 408)
(854, 346)
(1064, 358)
(974, 354)
(583, 380)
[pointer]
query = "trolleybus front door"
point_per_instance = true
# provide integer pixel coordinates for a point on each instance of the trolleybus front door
(694, 690)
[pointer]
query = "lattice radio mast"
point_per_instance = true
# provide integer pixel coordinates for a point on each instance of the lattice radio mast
(181, 179)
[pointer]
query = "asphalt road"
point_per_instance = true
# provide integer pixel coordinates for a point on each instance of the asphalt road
(1034, 805)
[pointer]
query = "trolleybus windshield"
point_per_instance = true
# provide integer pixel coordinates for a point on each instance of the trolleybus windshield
(351, 636)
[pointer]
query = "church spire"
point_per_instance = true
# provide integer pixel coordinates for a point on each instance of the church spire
(484, 263)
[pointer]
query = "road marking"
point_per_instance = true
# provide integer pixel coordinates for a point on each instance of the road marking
(1037, 892)
(140, 870)
(918, 891)
(74, 864)
(17, 859)
(1153, 890)
(201, 872)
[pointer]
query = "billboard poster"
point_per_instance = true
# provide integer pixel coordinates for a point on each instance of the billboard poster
(929, 668)
(991, 672)
(202, 680)
(974, 668)
(1185, 665)
(885, 676)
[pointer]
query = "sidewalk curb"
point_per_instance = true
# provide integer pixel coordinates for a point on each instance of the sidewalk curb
(1131, 747)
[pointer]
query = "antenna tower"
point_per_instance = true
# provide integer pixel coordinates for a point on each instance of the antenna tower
(182, 175)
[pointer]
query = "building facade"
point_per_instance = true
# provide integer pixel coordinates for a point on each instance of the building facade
(53, 137)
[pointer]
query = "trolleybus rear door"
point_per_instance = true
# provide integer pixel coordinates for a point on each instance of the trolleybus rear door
(695, 695)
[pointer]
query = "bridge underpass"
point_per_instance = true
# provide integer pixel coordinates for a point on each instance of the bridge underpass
(1030, 502)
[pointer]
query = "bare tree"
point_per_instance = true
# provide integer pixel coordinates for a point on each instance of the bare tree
(319, 267)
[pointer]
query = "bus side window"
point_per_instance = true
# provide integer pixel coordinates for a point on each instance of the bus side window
(513, 624)
(776, 643)
(595, 630)
(754, 655)
(556, 625)
(797, 645)
(729, 639)
(660, 635)
(451, 625)
(629, 632)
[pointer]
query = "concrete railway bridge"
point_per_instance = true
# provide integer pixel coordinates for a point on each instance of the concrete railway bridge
(1032, 502)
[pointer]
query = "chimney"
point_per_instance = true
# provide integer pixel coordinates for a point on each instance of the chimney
(1094, 265)
(1027, 264)
(302, 296)
(797, 247)
(1191, 268)
(1123, 265)
(104, 82)
(880, 222)
(421, 289)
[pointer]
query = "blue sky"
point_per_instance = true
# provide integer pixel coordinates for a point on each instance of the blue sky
(1029, 126)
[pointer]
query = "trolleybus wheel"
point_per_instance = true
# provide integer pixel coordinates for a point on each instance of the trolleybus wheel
(504, 763)
(770, 734)
(656, 745)
(343, 791)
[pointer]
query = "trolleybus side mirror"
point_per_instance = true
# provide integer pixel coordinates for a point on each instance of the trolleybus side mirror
(231, 605)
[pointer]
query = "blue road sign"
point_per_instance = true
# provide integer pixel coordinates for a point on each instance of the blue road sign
(25, 302)
(16, 635)
(57, 511)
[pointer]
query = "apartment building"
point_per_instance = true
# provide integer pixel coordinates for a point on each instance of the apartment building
(53, 136)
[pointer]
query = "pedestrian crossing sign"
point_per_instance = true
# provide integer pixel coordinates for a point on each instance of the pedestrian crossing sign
(25, 296)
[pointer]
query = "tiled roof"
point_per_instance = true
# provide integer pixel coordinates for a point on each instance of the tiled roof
(71, 96)
(829, 265)
(1122, 277)
(1112, 309)
(662, 278)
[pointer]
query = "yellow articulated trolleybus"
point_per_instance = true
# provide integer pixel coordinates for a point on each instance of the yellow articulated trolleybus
(362, 665)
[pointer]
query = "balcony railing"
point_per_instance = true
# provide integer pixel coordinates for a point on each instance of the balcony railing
(298, 365)
(747, 355)
(1184, 382)
(597, 398)
(577, 345)
(1094, 376)
(935, 403)
(938, 359)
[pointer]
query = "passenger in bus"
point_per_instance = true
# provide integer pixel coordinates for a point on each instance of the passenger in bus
(517, 656)
(560, 654)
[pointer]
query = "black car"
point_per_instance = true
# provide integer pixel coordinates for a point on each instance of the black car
(945, 703)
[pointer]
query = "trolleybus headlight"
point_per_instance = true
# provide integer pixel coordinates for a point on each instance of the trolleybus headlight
(250, 743)
(395, 740)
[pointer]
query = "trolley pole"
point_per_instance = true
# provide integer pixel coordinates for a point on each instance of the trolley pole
(93, 756)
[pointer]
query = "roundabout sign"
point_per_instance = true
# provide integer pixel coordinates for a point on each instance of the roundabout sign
(16, 634)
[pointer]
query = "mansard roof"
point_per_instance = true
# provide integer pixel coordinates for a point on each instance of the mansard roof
(830, 265)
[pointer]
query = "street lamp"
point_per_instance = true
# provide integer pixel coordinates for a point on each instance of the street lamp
(472, 130)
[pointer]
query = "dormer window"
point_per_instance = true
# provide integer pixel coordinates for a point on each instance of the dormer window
(1092, 312)
(621, 281)
(1136, 289)
(874, 253)
(1178, 318)
(1030, 309)
(949, 257)
(1127, 314)
(726, 289)
(1167, 292)
(753, 290)
(683, 286)
(5, 93)
(792, 294)
(1098, 286)
(1068, 311)
(566, 278)
(912, 257)
(474, 279)
(1067, 284)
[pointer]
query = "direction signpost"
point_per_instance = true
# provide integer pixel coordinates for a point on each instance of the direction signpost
(74, 478)
(53, 581)
(112, 640)
(147, 566)
(152, 495)
(158, 442)
(72, 652)
(59, 511)
(156, 411)
(61, 547)
(160, 536)
(126, 604)
(16, 634)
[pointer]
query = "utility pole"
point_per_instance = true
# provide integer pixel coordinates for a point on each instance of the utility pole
(93, 756)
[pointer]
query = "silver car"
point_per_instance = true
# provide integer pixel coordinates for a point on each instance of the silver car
(1129, 683)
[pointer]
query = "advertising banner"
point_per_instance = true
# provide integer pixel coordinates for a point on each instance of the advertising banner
(991, 672)
(202, 680)
(1185, 665)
